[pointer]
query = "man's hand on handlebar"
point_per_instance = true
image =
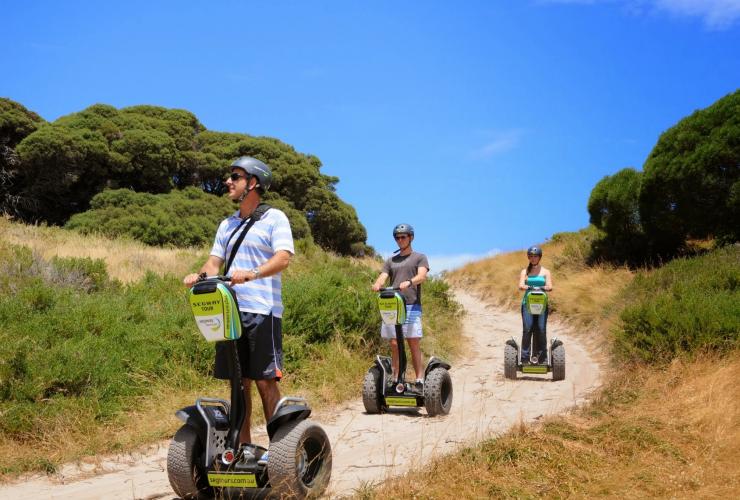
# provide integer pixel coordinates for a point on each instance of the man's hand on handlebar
(190, 279)
(241, 276)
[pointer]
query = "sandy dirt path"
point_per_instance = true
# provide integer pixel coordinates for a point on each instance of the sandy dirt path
(370, 448)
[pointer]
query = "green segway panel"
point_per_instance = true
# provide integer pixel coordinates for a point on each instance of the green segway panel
(405, 401)
(215, 311)
(232, 480)
(536, 302)
(541, 369)
(392, 307)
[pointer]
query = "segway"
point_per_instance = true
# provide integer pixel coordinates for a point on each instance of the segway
(205, 458)
(535, 300)
(380, 391)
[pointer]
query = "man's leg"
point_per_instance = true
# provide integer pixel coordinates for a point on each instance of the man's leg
(270, 394)
(415, 347)
(245, 435)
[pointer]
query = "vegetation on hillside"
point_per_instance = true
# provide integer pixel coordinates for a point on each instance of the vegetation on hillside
(667, 428)
(51, 171)
(689, 189)
(687, 306)
(91, 364)
(666, 423)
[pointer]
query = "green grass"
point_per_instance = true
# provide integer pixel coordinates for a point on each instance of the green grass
(686, 306)
(83, 356)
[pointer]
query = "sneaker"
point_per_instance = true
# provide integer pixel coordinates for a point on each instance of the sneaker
(419, 385)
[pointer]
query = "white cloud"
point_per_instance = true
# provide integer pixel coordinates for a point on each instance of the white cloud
(716, 14)
(499, 143)
(439, 263)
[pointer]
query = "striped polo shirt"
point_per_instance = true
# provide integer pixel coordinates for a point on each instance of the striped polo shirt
(267, 236)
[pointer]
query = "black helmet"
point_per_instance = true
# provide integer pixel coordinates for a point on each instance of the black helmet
(535, 250)
(254, 167)
(403, 229)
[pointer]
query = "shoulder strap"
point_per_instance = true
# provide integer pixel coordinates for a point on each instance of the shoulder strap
(254, 217)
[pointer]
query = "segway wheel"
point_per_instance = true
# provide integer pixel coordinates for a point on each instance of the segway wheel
(186, 476)
(510, 361)
(438, 392)
(372, 394)
(300, 460)
(558, 362)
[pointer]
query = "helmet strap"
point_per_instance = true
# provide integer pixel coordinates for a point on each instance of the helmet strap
(248, 189)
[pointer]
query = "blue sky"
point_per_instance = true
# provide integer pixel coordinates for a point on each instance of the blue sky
(485, 124)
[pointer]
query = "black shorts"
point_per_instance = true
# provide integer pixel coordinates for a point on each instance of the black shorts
(260, 349)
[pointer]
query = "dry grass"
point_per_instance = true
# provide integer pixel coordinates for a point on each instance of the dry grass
(582, 294)
(669, 434)
(666, 433)
(126, 260)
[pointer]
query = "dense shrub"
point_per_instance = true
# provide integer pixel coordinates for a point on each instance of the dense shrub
(691, 182)
(690, 304)
(49, 172)
(330, 297)
(74, 342)
(179, 218)
(613, 208)
(66, 348)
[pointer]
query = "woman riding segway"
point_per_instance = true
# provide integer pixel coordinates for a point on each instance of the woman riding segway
(534, 276)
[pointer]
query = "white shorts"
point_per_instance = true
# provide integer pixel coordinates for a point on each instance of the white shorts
(411, 328)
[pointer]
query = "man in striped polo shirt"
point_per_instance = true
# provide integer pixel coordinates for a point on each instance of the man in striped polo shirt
(256, 278)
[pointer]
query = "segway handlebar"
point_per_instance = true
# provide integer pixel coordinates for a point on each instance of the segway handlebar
(204, 277)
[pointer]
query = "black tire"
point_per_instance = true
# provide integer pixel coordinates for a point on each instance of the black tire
(300, 460)
(558, 362)
(372, 395)
(511, 361)
(186, 476)
(438, 392)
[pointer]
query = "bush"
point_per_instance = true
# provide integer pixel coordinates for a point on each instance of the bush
(180, 218)
(329, 298)
(66, 349)
(688, 305)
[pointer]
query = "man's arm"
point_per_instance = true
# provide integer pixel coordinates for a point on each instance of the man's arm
(380, 281)
(274, 265)
(211, 268)
(421, 276)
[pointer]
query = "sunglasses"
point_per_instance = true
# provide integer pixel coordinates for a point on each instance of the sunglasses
(401, 236)
(234, 176)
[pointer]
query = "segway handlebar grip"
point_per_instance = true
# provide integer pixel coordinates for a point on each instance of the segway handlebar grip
(204, 277)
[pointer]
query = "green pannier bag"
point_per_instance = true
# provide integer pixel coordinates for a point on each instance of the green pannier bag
(536, 302)
(215, 310)
(392, 307)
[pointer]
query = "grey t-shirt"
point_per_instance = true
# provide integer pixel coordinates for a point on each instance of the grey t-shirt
(404, 267)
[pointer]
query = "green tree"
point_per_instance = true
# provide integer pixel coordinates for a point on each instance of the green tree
(16, 122)
(613, 208)
(334, 223)
(60, 170)
(691, 182)
(151, 149)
